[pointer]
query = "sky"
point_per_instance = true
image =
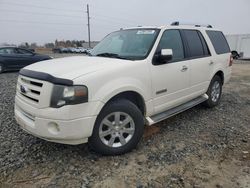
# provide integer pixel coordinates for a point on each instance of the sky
(44, 21)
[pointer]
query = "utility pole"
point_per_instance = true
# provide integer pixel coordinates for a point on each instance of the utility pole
(88, 25)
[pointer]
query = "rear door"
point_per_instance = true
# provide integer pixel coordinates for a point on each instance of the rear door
(199, 60)
(25, 57)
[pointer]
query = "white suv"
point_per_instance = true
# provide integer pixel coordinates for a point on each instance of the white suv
(133, 77)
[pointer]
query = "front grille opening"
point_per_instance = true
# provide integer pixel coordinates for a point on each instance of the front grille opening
(34, 91)
(36, 84)
(32, 82)
(35, 100)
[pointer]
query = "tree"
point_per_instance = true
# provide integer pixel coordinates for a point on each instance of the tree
(33, 45)
(49, 45)
(27, 45)
(56, 43)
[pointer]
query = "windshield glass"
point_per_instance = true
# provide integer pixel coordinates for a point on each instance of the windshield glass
(132, 44)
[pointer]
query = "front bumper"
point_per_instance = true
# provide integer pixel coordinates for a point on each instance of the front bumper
(72, 131)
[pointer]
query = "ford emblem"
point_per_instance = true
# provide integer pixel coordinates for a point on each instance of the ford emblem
(23, 89)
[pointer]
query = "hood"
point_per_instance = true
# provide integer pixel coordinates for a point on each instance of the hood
(73, 67)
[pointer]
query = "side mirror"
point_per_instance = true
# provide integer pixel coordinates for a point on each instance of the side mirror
(167, 54)
(163, 56)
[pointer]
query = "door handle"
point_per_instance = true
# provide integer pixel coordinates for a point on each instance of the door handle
(184, 68)
(211, 63)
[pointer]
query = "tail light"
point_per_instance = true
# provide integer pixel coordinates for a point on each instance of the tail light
(231, 61)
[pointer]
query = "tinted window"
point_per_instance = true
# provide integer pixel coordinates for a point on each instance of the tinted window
(7, 51)
(22, 51)
(194, 43)
(171, 39)
(204, 44)
(219, 42)
(3, 51)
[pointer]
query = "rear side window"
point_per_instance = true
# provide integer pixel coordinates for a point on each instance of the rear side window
(22, 51)
(219, 42)
(195, 46)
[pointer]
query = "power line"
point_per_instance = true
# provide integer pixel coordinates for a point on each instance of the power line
(35, 22)
(115, 18)
(37, 13)
(65, 1)
(41, 7)
(99, 16)
(99, 19)
(120, 12)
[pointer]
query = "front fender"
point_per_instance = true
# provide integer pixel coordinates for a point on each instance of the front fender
(114, 87)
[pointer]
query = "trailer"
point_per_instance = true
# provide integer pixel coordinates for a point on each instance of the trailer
(241, 44)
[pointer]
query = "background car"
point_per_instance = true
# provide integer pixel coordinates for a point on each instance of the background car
(64, 50)
(88, 51)
(13, 58)
(57, 50)
(82, 50)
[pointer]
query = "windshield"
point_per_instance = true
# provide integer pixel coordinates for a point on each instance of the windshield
(132, 44)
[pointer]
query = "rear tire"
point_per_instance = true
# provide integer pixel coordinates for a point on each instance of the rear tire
(118, 128)
(214, 92)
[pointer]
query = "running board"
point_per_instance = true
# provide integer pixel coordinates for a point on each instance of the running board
(171, 112)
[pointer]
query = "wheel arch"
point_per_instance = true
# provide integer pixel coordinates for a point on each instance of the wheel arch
(221, 75)
(131, 95)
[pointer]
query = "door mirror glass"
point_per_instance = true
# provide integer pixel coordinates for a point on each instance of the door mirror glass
(167, 54)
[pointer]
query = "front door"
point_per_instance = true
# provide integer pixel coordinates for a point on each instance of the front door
(10, 60)
(170, 81)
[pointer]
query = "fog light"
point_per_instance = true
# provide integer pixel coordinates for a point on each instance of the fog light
(53, 128)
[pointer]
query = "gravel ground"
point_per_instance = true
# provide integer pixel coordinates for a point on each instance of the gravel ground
(197, 148)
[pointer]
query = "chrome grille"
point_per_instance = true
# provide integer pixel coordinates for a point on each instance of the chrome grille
(29, 89)
(33, 91)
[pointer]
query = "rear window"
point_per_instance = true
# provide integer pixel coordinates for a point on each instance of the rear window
(219, 42)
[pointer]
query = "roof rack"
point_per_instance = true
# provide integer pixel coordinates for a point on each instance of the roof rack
(196, 25)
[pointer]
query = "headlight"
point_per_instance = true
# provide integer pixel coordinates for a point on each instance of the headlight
(68, 95)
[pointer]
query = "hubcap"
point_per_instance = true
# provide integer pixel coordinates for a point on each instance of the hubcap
(215, 93)
(1, 68)
(116, 129)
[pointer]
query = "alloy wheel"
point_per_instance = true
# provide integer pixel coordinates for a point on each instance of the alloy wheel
(116, 129)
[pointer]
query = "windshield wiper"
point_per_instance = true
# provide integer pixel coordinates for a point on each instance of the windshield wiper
(112, 55)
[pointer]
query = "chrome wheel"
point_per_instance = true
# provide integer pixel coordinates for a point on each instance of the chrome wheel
(1, 68)
(215, 92)
(116, 129)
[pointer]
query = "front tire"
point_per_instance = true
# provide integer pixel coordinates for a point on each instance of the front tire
(214, 92)
(118, 128)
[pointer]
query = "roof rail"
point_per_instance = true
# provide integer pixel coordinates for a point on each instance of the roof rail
(196, 25)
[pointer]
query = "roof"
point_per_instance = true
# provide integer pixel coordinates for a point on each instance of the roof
(181, 26)
(7, 46)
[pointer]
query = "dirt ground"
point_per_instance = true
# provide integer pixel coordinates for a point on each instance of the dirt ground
(197, 148)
